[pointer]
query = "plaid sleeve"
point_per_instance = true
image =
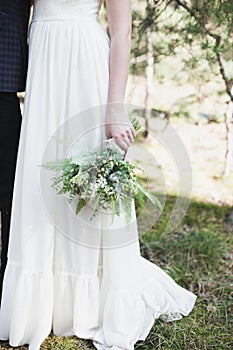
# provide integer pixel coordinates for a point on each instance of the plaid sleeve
(13, 44)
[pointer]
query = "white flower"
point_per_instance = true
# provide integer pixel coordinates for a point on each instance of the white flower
(94, 186)
(115, 176)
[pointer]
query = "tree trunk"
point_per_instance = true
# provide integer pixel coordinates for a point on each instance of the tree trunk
(229, 139)
(149, 76)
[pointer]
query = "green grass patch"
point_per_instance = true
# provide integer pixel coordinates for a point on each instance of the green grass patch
(198, 255)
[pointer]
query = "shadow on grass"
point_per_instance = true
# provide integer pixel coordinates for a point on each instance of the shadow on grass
(198, 255)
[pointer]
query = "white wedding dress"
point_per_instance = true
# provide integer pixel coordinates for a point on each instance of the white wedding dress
(64, 273)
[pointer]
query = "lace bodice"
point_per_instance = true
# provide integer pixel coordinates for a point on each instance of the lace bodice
(65, 9)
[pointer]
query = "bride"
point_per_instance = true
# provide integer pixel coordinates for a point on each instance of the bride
(53, 281)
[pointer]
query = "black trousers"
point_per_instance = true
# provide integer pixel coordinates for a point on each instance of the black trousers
(10, 123)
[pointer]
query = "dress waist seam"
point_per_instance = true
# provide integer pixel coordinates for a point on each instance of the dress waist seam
(76, 20)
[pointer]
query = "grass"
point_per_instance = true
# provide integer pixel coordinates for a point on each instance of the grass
(198, 255)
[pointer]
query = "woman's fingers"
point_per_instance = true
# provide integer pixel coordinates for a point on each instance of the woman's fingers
(125, 138)
(121, 143)
(130, 135)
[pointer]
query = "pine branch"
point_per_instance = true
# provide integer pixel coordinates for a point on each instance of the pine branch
(218, 40)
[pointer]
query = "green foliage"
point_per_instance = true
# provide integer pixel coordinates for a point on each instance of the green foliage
(196, 32)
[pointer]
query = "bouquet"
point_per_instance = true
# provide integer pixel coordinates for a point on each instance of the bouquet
(103, 179)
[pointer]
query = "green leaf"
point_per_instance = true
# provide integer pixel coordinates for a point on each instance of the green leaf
(96, 205)
(127, 208)
(151, 197)
(115, 209)
(57, 165)
(81, 204)
(136, 124)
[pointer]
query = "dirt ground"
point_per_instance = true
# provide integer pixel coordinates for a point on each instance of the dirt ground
(184, 153)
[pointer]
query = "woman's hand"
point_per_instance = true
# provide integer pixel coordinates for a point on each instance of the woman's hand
(118, 126)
